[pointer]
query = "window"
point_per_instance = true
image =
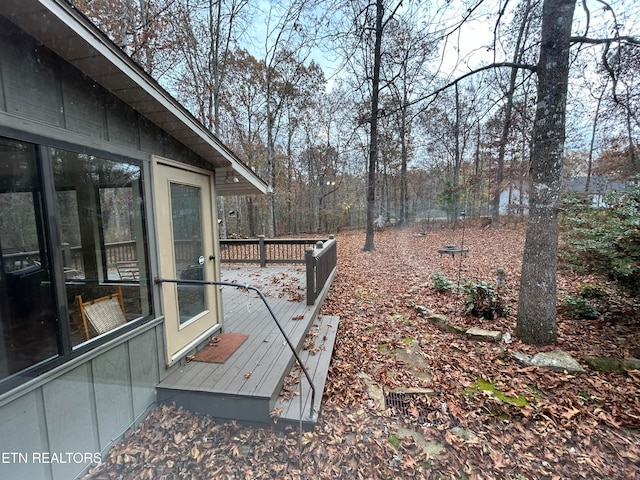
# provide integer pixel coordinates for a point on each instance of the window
(27, 314)
(99, 232)
(99, 203)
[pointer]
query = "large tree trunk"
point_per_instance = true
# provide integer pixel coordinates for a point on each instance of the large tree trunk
(537, 303)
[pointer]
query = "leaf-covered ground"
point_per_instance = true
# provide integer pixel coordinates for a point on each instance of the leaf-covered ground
(530, 424)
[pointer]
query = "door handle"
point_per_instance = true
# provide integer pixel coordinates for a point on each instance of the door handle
(212, 257)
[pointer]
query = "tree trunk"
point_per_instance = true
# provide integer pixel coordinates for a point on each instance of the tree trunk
(506, 126)
(457, 162)
(404, 155)
(632, 148)
(537, 302)
(594, 128)
(271, 220)
(373, 140)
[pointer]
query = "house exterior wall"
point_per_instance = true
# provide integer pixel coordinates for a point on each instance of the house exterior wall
(84, 405)
(50, 426)
(44, 95)
(514, 201)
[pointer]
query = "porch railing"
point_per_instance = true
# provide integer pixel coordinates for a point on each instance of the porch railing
(264, 251)
(318, 255)
(321, 263)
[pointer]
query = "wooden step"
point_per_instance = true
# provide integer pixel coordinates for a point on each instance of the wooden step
(257, 405)
(316, 359)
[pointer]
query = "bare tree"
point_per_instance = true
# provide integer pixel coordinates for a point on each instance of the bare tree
(138, 27)
(525, 20)
(289, 39)
(406, 74)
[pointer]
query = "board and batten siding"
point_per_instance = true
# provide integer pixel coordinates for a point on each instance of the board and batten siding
(88, 403)
(43, 95)
(83, 407)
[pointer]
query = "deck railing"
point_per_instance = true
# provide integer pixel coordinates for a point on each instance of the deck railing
(321, 263)
(264, 251)
(318, 255)
(72, 255)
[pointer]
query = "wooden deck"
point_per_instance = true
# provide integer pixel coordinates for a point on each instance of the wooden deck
(247, 387)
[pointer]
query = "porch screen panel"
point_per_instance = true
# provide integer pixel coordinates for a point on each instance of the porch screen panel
(100, 207)
(27, 313)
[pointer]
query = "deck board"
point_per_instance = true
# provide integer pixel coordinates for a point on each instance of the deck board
(247, 385)
(317, 364)
(265, 344)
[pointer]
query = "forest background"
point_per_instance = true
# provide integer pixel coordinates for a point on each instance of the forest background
(405, 133)
(288, 85)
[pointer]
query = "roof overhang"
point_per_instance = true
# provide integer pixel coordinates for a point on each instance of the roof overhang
(68, 33)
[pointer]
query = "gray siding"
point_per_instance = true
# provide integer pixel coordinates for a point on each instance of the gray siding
(30, 80)
(84, 408)
(87, 404)
(114, 393)
(145, 354)
(22, 431)
(39, 86)
(84, 106)
(69, 415)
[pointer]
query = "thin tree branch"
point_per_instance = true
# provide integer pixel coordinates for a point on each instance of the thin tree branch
(435, 93)
(601, 41)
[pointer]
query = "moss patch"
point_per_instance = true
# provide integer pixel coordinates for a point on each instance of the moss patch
(395, 441)
(605, 364)
(482, 385)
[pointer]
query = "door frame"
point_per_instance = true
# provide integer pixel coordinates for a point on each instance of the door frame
(201, 327)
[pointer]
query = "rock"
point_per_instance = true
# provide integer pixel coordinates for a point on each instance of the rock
(422, 310)
(429, 447)
(484, 335)
(414, 289)
(417, 366)
(523, 358)
(558, 361)
(441, 322)
(413, 390)
(373, 390)
(464, 434)
(631, 363)
(604, 364)
(437, 318)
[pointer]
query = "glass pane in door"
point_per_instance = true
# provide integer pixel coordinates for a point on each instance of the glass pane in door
(186, 217)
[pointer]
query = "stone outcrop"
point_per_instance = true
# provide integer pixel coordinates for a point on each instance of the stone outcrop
(557, 360)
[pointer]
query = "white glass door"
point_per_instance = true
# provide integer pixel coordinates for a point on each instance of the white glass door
(187, 246)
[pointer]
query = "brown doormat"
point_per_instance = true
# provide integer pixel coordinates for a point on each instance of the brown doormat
(221, 347)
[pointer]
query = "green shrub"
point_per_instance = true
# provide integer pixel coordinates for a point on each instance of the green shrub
(589, 290)
(483, 300)
(442, 283)
(579, 307)
(604, 240)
